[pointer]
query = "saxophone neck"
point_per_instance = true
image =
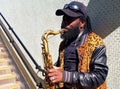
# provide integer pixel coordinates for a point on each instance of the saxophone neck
(51, 32)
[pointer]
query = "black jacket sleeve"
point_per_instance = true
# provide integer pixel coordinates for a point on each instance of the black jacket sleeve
(98, 70)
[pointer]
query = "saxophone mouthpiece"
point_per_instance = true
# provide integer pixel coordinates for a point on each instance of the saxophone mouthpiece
(62, 31)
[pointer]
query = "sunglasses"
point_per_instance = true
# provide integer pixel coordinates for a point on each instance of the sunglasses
(73, 7)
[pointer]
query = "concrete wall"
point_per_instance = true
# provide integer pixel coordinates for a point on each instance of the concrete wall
(30, 18)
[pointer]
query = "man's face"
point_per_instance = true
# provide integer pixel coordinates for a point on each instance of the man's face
(72, 26)
(70, 22)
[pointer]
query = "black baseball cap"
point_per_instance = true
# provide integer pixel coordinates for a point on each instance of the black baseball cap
(73, 9)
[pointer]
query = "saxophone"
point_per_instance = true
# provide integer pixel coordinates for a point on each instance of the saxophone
(47, 57)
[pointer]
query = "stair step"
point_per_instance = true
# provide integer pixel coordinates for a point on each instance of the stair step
(5, 70)
(3, 55)
(10, 86)
(8, 78)
(15, 87)
(3, 52)
(4, 61)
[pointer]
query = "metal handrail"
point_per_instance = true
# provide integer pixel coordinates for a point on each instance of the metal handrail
(18, 50)
(33, 60)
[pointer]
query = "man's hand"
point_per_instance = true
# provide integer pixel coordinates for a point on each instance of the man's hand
(55, 74)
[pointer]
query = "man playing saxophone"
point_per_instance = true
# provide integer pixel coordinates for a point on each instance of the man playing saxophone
(82, 53)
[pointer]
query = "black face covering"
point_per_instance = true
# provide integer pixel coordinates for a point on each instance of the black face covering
(71, 34)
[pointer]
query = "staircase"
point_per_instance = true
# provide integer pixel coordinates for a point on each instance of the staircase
(15, 70)
(9, 78)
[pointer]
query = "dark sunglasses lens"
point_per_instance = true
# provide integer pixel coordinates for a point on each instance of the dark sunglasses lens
(74, 7)
(66, 6)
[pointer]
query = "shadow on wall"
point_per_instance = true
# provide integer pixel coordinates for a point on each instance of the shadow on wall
(105, 16)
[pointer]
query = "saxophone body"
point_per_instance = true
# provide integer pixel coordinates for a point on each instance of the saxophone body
(48, 64)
